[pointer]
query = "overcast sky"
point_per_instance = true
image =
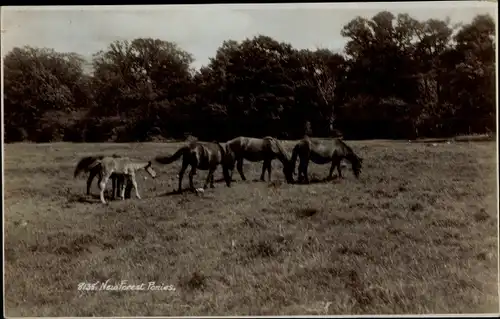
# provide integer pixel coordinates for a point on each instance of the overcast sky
(201, 29)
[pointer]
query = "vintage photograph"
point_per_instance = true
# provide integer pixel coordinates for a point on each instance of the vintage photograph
(250, 159)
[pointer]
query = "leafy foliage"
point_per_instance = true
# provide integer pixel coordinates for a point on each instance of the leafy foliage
(399, 78)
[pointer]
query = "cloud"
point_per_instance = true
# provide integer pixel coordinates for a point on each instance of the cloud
(201, 29)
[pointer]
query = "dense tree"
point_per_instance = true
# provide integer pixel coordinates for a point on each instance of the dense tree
(472, 80)
(141, 85)
(399, 78)
(37, 81)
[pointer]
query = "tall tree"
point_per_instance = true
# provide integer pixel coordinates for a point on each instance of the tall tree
(146, 81)
(473, 79)
(37, 81)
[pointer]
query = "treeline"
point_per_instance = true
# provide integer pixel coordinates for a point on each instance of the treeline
(399, 78)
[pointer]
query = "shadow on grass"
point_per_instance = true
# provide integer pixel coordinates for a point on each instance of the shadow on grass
(315, 180)
(221, 180)
(92, 198)
(83, 198)
(306, 212)
(176, 192)
(184, 191)
(187, 195)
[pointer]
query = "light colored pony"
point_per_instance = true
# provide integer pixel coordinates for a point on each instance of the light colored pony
(120, 166)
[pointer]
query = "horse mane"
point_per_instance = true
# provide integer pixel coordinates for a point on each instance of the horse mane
(355, 160)
(350, 152)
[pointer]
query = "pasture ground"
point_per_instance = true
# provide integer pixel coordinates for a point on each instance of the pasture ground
(417, 233)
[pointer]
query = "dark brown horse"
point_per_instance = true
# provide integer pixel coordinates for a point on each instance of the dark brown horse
(199, 155)
(258, 149)
(320, 152)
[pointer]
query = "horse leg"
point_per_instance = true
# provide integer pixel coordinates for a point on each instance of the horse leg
(303, 165)
(209, 179)
(121, 182)
(181, 175)
(338, 169)
(191, 175)
(230, 170)
(301, 172)
(269, 167)
(306, 173)
(212, 180)
(102, 187)
(134, 183)
(114, 186)
(239, 166)
(264, 167)
(332, 167)
(92, 174)
(123, 186)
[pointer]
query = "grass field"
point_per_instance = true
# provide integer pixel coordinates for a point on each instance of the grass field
(417, 233)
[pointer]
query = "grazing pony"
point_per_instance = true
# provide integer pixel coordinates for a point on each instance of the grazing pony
(258, 149)
(199, 155)
(123, 166)
(322, 153)
(85, 164)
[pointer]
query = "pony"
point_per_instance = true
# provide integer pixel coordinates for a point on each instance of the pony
(85, 164)
(323, 153)
(199, 155)
(255, 150)
(123, 166)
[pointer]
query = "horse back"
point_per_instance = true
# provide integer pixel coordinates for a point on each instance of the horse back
(116, 165)
(206, 154)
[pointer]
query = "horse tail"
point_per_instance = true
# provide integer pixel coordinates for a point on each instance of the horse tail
(227, 161)
(173, 158)
(229, 155)
(85, 164)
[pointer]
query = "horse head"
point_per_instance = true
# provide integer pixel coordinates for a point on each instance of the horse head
(357, 163)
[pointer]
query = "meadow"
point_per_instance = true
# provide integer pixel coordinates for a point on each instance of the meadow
(417, 233)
